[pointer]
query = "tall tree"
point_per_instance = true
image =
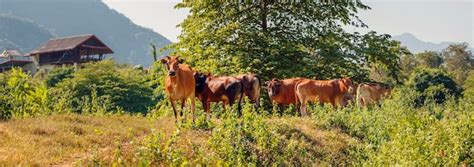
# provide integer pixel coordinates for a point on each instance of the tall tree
(429, 59)
(458, 61)
(282, 39)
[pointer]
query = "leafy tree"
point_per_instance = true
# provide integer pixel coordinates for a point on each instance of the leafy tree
(112, 86)
(469, 85)
(282, 39)
(458, 61)
(433, 84)
(429, 59)
(57, 75)
(407, 65)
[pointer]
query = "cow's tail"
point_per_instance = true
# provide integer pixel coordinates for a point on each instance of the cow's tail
(239, 105)
(357, 100)
(298, 109)
(259, 85)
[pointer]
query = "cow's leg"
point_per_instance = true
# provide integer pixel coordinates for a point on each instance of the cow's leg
(173, 104)
(297, 108)
(257, 98)
(239, 104)
(208, 110)
(231, 105)
(223, 106)
(183, 102)
(333, 103)
(193, 106)
(303, 107)
(281, 109)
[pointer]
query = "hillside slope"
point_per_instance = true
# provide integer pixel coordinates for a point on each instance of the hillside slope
(21, 34)
(72, 17)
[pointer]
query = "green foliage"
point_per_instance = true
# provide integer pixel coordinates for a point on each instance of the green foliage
(282, 39)
(156, 150)
(250, 140)
(57, 75)
(458, 61)
(433, 84)
(21, 97)
(399, 134)
(429, 59)
(108, 85)
(469, 86)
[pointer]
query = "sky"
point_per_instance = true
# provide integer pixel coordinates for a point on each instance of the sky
(429, 20)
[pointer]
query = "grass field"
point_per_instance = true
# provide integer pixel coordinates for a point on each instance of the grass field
(71, 139)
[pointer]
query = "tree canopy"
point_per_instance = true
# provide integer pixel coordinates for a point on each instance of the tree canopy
(283, 39)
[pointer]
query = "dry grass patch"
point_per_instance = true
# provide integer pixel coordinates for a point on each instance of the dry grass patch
(77, 139)
(65, 139)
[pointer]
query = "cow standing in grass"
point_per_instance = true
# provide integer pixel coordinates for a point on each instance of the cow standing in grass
(225, 89)
(324, 91)
(252, 86)
(282, 92)
(371, 93)
(179, 83)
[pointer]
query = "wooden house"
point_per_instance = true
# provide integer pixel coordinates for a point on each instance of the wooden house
(67, 51)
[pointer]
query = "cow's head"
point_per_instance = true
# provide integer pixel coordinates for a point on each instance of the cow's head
(347, 82)
(172, 64)
(273, 87)
(200, 80)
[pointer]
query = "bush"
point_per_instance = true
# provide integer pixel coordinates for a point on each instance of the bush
(22, 97)
(113, 87)
(433, 84)
(58, 75)
(397, 133)
(469, 86)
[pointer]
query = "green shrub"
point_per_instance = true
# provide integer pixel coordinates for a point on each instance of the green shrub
(433, 84)
(469, 86)
(58, 75)
(397, 133)
(156, 150)
(116, 88)
(21, 96)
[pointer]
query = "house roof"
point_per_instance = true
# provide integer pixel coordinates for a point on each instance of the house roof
(67, 43)
(8, 53)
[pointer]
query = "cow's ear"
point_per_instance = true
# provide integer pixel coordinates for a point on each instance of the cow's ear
(267, 82)
(164, 61)
(180, 61)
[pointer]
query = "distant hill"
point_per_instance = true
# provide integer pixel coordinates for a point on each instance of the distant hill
(416, 45)
(130, 42)
(21, 34)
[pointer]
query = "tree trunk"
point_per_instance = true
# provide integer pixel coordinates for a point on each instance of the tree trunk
(263, 14)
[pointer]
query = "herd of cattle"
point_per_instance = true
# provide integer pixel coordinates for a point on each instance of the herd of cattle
(183, 83)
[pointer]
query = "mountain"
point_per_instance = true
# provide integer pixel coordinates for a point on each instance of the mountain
(416, 45)
(130, 42)
(21, 34)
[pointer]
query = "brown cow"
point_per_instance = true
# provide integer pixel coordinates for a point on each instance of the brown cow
(251, 84)
(371, 93)
(225, 89)
(282, 92)
(325, 91)
(179, 83)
